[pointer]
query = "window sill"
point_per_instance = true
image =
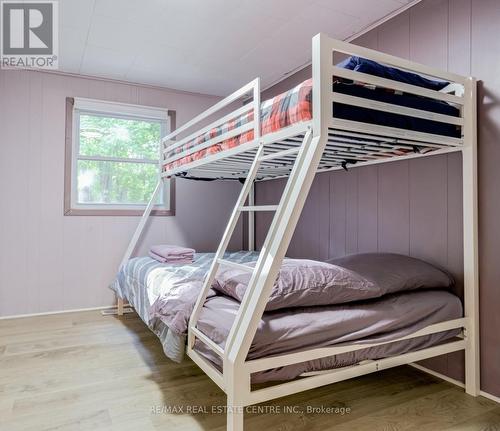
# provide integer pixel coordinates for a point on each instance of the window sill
(117, 212)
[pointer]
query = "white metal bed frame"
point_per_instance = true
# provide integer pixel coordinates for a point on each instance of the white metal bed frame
(298, 152)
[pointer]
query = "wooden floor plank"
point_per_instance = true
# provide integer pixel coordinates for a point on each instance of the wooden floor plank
(82, 371)
(489, 421)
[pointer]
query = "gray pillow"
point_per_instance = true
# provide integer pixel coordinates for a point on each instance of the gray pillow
(395, 272)
(301, 283)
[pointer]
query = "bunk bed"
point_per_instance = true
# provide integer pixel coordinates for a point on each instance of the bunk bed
(345, 116)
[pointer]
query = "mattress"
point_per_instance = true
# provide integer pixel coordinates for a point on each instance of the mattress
(295, 106)
(363, 322)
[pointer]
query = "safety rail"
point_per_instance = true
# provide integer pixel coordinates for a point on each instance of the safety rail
(169, 143)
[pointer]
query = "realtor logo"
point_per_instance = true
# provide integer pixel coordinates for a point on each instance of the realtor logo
(29, 34)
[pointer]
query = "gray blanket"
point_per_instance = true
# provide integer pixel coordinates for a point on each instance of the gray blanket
(164, 294)
(364, 322)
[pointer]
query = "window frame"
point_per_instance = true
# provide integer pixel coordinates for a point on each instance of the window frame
(115, 110)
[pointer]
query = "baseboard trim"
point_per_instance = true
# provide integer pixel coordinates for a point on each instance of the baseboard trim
(50, 313)
(490, 397)
(453, 381)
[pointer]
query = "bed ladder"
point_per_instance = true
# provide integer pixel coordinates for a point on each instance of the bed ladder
(218, 258)
(239, 208)
(289, 200)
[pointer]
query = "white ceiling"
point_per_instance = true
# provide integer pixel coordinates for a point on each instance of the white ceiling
(206, 46)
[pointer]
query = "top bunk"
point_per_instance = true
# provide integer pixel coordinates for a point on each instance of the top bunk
(371, 107)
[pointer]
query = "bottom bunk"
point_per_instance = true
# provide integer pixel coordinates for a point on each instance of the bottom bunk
(164, 296)
(366, 322)
(143, 280)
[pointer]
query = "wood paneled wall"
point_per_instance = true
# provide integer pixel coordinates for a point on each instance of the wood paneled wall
(411, 207)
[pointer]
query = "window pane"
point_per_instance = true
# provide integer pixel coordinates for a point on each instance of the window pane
(115, 183)
(118, 137)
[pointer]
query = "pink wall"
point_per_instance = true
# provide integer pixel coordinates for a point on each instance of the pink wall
(359, 211)
(408, 207)
(49, 262)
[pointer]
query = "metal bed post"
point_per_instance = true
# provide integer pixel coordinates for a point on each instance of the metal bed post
(470, 235)
(251, 219)
(137, 235)
(251, 197)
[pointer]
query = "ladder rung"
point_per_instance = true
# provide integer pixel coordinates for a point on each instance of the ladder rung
(279, 154)
(207, 341)
(236, 265)
(259, 208)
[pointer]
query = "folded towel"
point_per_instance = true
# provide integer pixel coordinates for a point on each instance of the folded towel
(170, 260)
(172, 254)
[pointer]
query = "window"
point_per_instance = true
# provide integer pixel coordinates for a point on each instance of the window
(114, 163)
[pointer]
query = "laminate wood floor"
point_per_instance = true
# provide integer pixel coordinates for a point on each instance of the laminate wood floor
(83, 371)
